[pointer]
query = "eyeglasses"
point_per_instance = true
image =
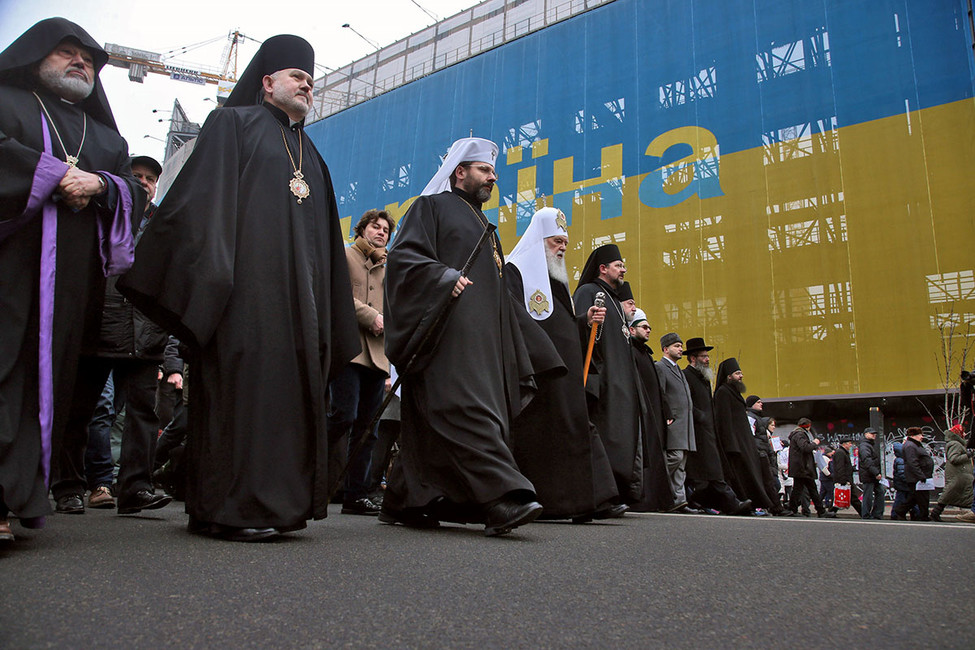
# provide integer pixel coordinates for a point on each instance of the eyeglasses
(485, 169)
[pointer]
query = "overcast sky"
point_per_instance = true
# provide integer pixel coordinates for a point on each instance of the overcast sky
(164, 26)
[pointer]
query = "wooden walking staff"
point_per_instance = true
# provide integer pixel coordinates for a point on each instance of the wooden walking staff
(598, 302)
(489, 229)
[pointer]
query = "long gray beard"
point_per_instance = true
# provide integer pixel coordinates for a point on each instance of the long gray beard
(70, 88)
(707, 371)
(556, 268)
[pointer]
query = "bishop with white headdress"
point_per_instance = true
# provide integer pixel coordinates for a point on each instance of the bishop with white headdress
(474, 372)
(554, 443)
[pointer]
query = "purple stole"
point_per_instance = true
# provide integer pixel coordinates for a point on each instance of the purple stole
(117, 252)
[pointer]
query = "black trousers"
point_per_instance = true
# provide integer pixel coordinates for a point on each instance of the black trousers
(136, 381)
(354, 396)
(716, 495)
(919, 498)
(807, 485)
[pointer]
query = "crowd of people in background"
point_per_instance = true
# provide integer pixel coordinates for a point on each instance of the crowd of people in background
(514, 396)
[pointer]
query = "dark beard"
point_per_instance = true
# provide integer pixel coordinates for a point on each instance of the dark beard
(740, 385)
(483, 194)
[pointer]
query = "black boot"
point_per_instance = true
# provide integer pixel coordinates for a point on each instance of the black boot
(936, 511)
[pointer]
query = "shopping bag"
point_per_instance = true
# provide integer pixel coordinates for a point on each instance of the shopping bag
(841, 496)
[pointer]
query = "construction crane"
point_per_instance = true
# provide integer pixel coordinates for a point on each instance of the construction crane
(140, 63)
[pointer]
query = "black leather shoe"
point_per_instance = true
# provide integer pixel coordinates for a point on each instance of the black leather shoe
(505, 516)
(612, 512)
(743, 507)
(197, 526)
(388, 516)
(70, 504)
(142, 500)
(234, 534)
(361, 506)
(687, 510)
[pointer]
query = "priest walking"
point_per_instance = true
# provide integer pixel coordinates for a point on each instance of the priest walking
(554, 443)
(465, 382)
(613, 386)
(244, 263)
(68, 207)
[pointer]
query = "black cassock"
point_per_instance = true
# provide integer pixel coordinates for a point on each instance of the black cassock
(737, 444)
(705, 464)
(79, 279)
(258, 287)
(473, 377)
(658, 494)
(555, 444)
(614, 393)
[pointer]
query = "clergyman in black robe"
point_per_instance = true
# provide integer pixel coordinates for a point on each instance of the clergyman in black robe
(464, 384)
(612, 387)
(706, 485)
(554, 443)
(248, 270)
(63, 228)
(658, 494)
(735, 438)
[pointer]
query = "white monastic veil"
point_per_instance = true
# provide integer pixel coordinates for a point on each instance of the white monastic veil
(529, 256)
(464, 150)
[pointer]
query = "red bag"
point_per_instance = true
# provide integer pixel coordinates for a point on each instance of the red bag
(841, 496)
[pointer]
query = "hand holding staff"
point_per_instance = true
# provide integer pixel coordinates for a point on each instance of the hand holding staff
(599, 303)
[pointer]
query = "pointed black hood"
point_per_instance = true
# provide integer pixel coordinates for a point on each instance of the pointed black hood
(18, 60)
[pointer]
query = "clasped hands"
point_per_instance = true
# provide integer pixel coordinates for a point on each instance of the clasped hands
(77, 187)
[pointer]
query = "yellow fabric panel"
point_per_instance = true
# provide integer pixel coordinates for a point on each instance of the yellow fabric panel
(826, 262)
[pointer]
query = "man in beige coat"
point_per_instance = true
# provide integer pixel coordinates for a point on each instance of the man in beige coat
(357, 392)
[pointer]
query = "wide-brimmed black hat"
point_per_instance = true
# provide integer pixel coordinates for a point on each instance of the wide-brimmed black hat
(696, 344)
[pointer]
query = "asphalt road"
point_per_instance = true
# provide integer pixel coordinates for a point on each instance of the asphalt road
(644, 581)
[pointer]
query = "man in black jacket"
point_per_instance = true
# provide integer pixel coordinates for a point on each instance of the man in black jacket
(870, 476)
(130, 347)
(918, 466)
(802, 466)
(843, 473)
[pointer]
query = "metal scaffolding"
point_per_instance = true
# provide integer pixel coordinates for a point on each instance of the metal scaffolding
(484, 26)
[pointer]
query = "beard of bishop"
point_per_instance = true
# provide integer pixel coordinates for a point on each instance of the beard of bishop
(69, 88)
(556, 267)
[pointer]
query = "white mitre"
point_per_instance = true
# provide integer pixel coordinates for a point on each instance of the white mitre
(464, 150)
(529, 256)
